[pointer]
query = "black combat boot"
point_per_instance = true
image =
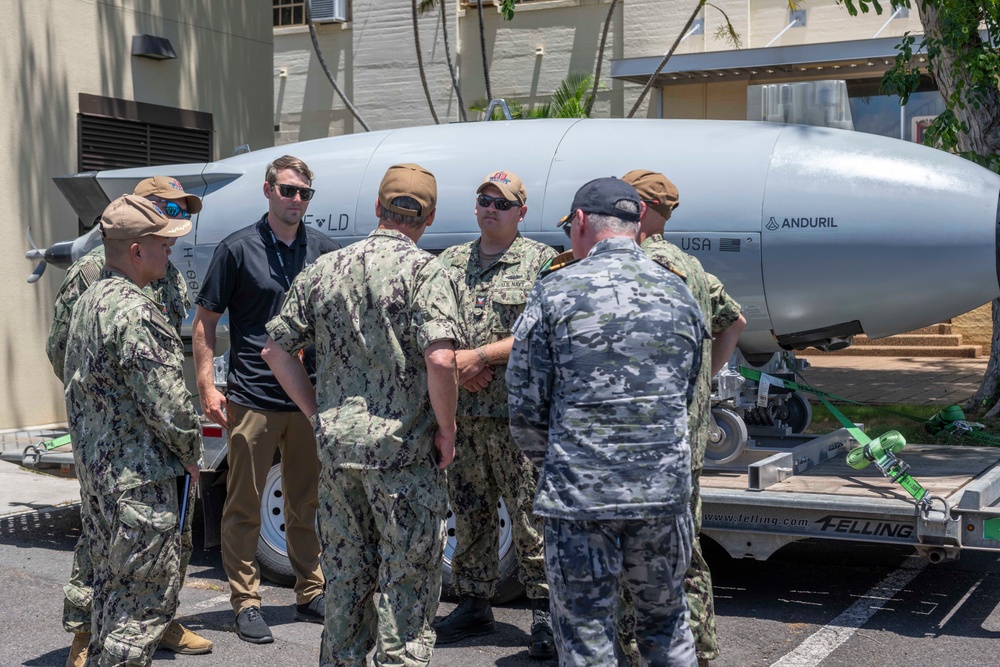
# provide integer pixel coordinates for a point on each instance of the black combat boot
(542, 646)
(472, 616)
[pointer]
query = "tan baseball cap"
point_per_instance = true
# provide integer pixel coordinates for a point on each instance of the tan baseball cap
(408, 180)
(166, 187)
(132, 217)
(509, 183)
(659, 193)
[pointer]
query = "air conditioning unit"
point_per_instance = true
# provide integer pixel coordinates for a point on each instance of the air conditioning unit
(328, 11)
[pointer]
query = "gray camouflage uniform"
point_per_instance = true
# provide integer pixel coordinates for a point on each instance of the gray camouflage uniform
(134, 429)
(372, 309)
(171, 293)
(721, 311)
(604, 366)
(488, 464)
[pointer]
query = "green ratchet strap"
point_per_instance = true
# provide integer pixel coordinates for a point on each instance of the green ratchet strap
(881, 451)
(857, 433)
(950, 420)
(52, 444)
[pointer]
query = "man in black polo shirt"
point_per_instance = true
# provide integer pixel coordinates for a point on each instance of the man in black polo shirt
(249, 275)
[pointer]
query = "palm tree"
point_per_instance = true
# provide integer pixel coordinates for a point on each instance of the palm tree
(329, 74)
(420, 62)
(482, 46)
(422, 8)
(569, 100)
(600, 57)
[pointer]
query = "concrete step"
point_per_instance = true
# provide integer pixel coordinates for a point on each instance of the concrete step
(959, 351)
(941, 328)
(912, 340)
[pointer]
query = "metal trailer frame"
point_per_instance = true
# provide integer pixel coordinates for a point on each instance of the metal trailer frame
(756, 521)
(34, 458)
(748, 517)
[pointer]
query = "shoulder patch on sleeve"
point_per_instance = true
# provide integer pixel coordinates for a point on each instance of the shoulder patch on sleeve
(669, 266)
(528, 318)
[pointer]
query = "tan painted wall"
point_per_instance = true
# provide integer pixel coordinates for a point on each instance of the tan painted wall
(52, 51)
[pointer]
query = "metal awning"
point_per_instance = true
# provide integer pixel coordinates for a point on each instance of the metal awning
(834, 60)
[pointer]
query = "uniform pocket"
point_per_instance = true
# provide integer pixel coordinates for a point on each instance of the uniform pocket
(508, 303)
(146, 544)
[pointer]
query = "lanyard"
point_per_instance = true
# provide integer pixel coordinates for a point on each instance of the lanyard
(281, 260)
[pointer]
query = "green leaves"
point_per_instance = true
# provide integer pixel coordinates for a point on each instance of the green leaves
(957, 40)
(568, 101)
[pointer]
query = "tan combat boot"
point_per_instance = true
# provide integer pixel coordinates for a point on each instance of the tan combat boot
(179, 639)
(78, 649)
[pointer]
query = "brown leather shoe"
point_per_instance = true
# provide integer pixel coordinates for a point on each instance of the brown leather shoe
(179, 639)
(78, 649)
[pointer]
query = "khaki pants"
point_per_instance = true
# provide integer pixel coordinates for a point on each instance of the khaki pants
(254, 437)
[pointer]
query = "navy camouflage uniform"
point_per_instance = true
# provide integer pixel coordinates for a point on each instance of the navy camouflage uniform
(372, 309)
(171, 293)
(604, 365)
(721, 311)
(134, 430)
(487, 463)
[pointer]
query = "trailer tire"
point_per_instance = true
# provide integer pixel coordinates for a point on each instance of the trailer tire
(272, 550)
(508, 587)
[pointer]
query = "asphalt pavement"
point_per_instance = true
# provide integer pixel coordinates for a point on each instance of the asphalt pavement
(767, 611)
(830, 604)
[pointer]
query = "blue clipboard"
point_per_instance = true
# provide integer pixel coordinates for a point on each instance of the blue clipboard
(184, 498)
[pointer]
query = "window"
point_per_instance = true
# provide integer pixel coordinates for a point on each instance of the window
(289, 12)
(877, 113)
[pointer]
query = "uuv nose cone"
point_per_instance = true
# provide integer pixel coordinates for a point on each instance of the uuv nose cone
(875, 234)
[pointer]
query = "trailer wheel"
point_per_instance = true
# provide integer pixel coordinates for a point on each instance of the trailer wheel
(272, 551)
(508, 588)
(797, 413)
(728, 440)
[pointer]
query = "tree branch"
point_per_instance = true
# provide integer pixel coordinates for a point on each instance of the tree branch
(663, 63)
(420, 63)
(329, 74)
(600, 57)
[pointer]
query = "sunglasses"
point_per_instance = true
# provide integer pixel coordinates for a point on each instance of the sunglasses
(499, 203)
(567, 225)
(173, 209)
(288, 191)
